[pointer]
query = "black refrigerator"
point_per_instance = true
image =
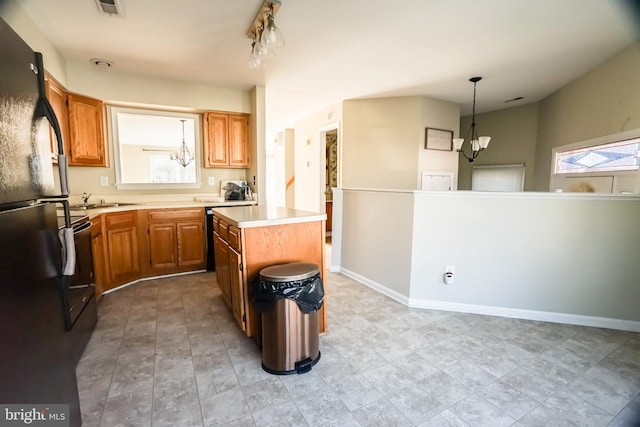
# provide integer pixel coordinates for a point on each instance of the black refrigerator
(37, 257)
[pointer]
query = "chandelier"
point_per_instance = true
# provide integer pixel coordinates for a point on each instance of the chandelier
(183, 155)
(477, 144)
(264, 34)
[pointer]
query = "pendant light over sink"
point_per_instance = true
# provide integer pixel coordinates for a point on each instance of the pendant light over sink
(477, 144)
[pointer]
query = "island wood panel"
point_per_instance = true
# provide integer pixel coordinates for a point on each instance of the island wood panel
(278, 244)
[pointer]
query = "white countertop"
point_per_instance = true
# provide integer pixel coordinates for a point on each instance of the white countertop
(262, 216)
(159, 205)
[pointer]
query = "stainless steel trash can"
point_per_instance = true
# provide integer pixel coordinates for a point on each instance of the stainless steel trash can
(290, 338)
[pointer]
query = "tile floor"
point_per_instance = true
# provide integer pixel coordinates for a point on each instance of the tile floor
(167, 352)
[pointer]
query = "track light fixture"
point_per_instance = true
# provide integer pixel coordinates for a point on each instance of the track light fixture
(264, 34)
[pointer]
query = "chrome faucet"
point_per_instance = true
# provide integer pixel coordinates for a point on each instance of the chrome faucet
(85, 198)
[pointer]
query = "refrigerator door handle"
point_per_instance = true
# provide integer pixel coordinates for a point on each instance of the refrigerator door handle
(44, 109)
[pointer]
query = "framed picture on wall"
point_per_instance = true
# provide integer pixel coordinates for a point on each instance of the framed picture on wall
(438, 139)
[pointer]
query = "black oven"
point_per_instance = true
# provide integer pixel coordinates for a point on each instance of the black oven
(81, 313)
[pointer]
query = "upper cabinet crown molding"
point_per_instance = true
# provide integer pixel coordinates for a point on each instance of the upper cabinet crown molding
(226, 140)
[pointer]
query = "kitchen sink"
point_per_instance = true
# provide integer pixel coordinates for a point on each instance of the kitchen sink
(87, 206)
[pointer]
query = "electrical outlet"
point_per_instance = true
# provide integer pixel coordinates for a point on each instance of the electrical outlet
(104, 181)
(449, 274)
(212, 180)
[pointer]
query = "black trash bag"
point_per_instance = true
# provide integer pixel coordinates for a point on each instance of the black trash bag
(307, 293)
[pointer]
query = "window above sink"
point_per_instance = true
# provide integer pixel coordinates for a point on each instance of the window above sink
(145, 144)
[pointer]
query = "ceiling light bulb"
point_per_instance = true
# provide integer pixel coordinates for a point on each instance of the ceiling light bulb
(263, 52)
(272, 36)
(255, 62)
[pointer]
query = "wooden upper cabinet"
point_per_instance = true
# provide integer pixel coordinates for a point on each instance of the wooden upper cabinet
(216, 140)
(226, 140)
(58, 99)
(238, 141)
(86, 131)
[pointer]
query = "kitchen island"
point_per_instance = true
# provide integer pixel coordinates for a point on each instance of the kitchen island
(248, 239)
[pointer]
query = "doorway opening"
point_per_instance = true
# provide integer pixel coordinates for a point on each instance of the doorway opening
(330, 179)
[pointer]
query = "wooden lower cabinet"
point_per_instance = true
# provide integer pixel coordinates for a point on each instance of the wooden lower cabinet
(191, 243)
(229, 275)
(221, 254)
(175, 240)
(240, 259)
(236, 283)
(130, 245)
(162, 248)
(122, 247)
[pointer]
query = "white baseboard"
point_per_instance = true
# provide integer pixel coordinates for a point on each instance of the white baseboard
(517, 313)
(334, 269)
(396, 296)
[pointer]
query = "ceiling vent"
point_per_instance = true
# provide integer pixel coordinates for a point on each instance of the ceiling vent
(108, 6)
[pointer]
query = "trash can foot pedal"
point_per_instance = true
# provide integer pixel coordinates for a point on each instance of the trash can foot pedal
(301, 367)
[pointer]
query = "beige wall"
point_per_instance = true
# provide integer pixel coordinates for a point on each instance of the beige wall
(524, 265)
(440, 115)
(383, 141)
(513, 141)
(604, 101)
(380, 142)
(112, 86)
(399, 242)
(376, 239)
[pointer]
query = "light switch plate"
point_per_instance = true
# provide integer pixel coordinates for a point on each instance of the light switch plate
(104, 181)
(212, 180)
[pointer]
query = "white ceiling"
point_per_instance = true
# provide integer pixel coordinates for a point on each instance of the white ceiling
(343, 49)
